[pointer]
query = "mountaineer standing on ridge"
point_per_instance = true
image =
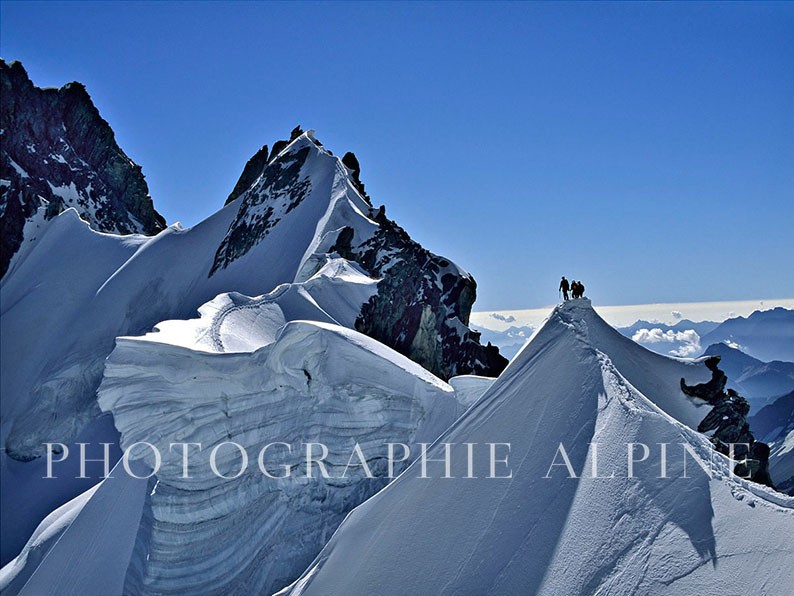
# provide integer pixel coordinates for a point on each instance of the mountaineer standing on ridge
(564, 287)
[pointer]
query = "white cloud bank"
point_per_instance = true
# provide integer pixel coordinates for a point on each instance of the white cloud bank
(623, 316)
(681, 343)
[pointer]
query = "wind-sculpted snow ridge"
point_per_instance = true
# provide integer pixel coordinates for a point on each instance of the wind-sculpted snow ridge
(317, 382)
(234, 322)
(570, 529)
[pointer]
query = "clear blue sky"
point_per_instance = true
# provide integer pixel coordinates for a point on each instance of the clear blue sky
(646, 148)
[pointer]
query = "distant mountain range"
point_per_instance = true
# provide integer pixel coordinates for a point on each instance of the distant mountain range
(701, 328)
(766, 334)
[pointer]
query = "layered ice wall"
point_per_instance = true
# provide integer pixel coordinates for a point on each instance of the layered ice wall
(316, 383)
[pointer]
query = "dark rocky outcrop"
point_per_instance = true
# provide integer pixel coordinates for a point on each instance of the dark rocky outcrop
(58, 152)
(279, 189)
(760, 382)
(423, 303)
(774, 424)
(727, 423)
(351, 161)
(279, 146)
(713, 390)
(253, 169)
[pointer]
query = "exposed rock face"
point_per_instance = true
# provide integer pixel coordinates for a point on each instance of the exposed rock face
(774, 424)
(423, 301)
(351, 161)
(253, 170)
(714, 389)
(57, 152)
(280, 188)
(727, 421)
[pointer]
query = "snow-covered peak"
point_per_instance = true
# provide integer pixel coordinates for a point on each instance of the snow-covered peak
(582, 523)
(301, 194)
(658, 377)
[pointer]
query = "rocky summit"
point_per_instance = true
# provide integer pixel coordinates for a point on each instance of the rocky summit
(58, 153)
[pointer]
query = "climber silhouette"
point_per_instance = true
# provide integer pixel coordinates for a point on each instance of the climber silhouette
(564, 287)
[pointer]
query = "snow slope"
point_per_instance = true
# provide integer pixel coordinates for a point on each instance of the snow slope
(243, 372)
(544, 532)
(72, 291)
(83, 547)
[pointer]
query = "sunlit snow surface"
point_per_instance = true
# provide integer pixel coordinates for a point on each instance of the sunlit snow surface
(577, 382)
(277, 360)
(243, 372)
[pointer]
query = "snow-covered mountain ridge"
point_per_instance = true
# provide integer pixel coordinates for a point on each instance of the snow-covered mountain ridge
(133, 282)
(423, 302)
(577, 383)
(72, 289)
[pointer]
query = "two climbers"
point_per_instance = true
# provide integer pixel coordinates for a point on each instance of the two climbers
(576, 288)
